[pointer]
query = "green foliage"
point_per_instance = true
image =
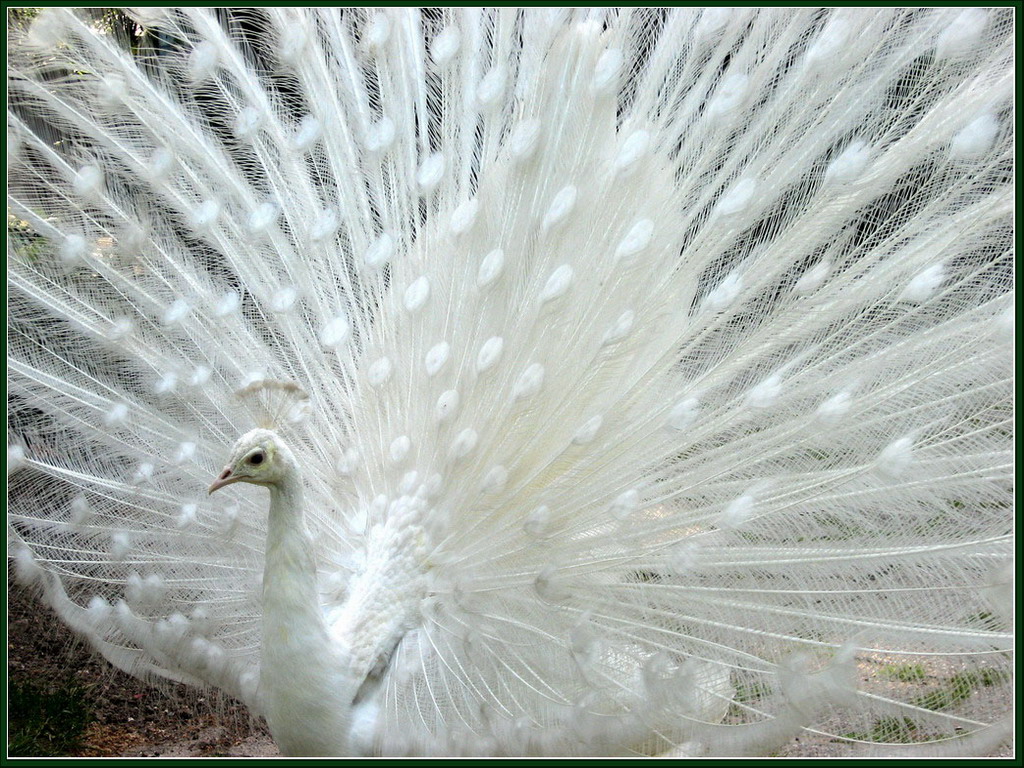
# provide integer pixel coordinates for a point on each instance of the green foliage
(752, 691)
(21, 17)
(46, 723)
(23, 240)
(905, 673)
(960, 687)
(986, 620)
(902, 730)
(888, 730)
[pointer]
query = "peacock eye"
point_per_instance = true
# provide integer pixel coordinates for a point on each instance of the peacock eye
(256, 458)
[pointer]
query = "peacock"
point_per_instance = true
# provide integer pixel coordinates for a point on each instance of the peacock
(524, 381)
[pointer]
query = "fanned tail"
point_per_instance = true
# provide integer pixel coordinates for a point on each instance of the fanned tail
(685, 334)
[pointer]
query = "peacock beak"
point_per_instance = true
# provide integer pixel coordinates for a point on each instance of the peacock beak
(226, 478)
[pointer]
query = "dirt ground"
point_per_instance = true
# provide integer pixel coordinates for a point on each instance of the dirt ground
(133, 719)
(129, 717)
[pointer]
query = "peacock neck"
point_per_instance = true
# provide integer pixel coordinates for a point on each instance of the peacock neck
(292, 617)
(290, 572)
(305, 691)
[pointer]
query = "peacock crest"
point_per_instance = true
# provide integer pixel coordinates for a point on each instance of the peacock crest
(276, 405)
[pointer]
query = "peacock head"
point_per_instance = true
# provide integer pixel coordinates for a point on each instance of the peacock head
(259, 457)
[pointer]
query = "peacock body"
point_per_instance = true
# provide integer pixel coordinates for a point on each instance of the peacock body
(626, 381)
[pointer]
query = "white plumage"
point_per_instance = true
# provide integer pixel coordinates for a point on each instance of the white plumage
(658, 368)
